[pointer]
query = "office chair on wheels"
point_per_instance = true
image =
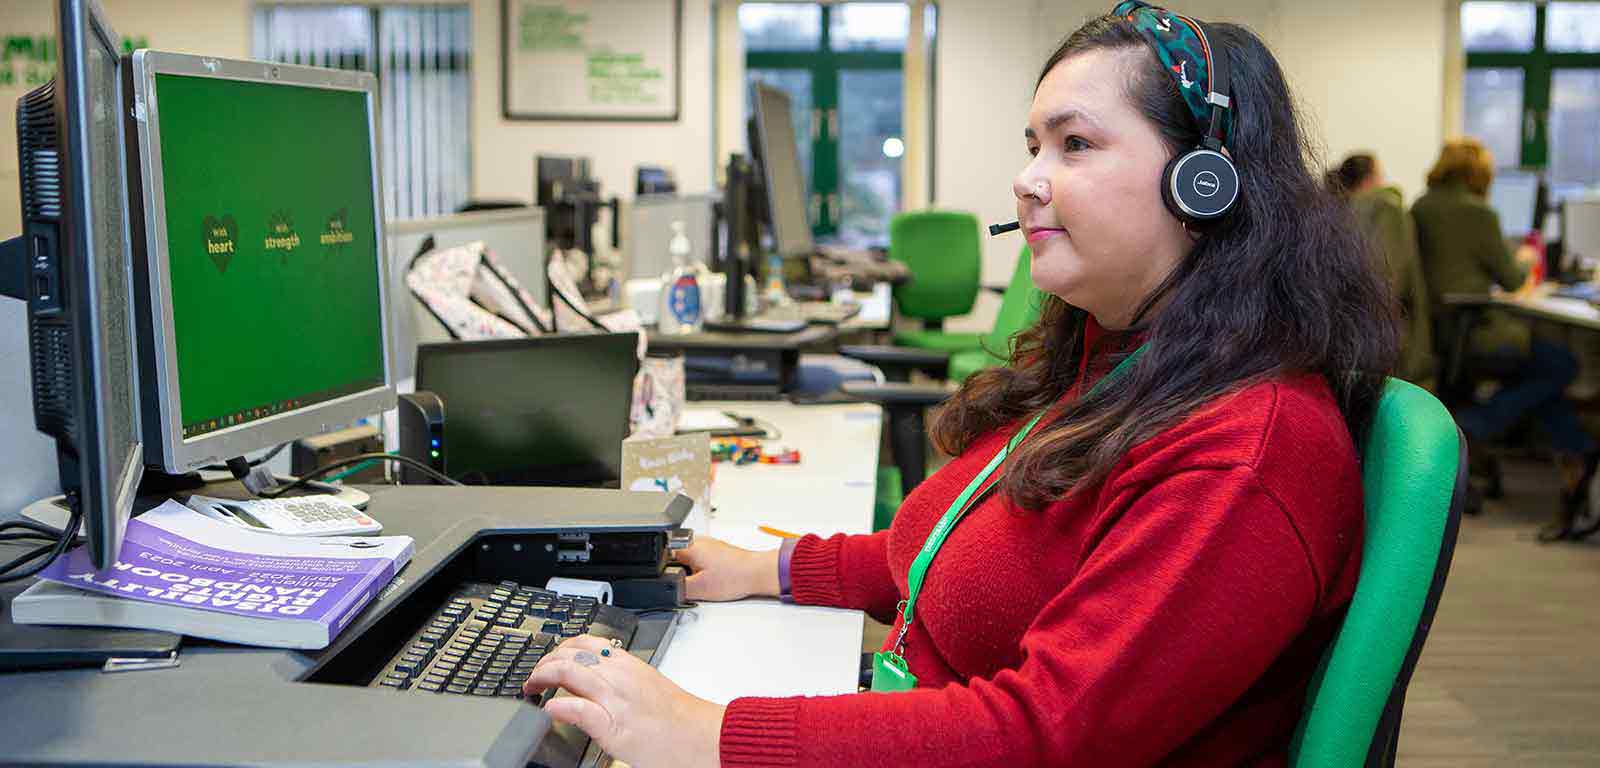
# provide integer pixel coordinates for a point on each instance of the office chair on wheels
(942, 250)
(905, 402)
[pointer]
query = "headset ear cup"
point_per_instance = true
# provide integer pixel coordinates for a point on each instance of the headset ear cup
(1166, 189)
(1200, 185)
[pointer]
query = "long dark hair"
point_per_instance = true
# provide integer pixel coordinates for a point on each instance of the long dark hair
(1350, 173)
(1281, 285)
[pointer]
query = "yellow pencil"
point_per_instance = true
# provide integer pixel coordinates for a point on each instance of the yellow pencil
(782, 534)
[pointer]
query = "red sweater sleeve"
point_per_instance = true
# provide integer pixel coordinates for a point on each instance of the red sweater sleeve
(844, 571)
(1184, 602)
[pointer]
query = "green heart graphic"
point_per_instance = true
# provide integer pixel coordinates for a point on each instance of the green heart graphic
(220, 236)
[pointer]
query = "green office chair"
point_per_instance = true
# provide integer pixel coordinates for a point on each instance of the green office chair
(942, 251)
(1414, 479)
(1019, 308)
(904, 402)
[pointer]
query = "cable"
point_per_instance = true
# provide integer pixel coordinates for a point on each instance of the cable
(305, 480)
(15, 570)
(253, 462)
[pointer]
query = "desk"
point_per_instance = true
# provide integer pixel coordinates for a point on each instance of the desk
(1541, 304)
(233, 705)
(877, 310)
(762, 647)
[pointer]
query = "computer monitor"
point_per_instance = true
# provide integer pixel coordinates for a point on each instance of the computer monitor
(258, 236)
(71, 266)
(1514, 195)
(650, 219)
(1580, 229)
(559, 177)
(653, 180)
(777, 155)
(548, 410)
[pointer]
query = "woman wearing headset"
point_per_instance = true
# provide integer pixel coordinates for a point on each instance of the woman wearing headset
(1165, 504)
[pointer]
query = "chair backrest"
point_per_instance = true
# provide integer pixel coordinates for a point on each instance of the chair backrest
(941, 250)
(1414, 482)
(1019, 307)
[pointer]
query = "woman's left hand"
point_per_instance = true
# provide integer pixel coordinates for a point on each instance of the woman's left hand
(633, 711)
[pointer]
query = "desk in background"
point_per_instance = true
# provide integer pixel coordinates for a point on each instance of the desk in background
(1540, 304)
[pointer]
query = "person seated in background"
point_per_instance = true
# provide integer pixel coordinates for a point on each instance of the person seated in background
(1380, 209)
(1458, 237)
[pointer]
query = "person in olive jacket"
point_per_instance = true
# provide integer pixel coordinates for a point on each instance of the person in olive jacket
(1459, 239)
(1381, 211)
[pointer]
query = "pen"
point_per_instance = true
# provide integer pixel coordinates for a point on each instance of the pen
(782, 534)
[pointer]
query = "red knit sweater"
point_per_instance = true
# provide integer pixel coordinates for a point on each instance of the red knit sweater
(1171, 615)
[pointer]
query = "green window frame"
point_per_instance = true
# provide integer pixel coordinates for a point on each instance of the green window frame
(825, 65)
(1538, 68)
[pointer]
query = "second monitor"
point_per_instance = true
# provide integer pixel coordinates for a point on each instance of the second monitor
(258, 226)
(548, 410)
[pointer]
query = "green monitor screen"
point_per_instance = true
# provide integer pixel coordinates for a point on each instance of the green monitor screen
(272, 249)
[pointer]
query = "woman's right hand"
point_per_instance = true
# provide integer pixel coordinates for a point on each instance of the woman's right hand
(725, 572)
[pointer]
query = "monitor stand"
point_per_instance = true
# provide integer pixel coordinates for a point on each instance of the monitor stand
(158, 483)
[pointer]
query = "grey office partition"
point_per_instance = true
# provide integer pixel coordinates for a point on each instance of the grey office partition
(516, 238)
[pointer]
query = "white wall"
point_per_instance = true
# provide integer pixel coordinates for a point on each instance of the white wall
(503, 150)
(1371, 74)
(1368, 74)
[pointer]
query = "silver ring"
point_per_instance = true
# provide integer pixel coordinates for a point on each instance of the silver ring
(615, 643)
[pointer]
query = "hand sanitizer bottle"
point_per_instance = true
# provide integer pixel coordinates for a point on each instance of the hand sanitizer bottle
(680, 291)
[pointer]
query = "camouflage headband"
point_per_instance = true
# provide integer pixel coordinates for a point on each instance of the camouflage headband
(1180, 42)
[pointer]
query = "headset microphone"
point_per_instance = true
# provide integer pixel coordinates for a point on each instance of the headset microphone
(1000, 229)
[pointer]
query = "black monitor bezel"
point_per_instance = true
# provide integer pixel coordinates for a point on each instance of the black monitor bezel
(439, 353)
(761, 153)
(106, 495)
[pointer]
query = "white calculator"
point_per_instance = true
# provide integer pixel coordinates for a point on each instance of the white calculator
(320, 515)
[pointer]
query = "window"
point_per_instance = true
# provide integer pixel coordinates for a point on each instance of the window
(842, 66)
(1532, 87)
(420, 55)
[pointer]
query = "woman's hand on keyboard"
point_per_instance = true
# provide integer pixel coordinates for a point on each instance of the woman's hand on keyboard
(633, 711)
(725, 572)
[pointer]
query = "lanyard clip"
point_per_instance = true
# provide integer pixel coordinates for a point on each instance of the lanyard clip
(899, 647)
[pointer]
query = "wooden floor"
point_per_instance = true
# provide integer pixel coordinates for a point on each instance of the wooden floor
(1510, 675)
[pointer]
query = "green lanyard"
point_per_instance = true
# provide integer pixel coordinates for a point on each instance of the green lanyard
(889, 672)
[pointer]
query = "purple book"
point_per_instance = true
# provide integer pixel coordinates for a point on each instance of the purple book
(179, 571)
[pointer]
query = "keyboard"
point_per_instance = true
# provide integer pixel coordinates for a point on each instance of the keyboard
(486, 639)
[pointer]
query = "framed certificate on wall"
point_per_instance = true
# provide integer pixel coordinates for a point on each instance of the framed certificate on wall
(591, 59)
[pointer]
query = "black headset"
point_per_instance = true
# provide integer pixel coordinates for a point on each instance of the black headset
(1200, 185)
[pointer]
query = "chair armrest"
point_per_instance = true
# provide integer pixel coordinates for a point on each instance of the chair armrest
(895, 393)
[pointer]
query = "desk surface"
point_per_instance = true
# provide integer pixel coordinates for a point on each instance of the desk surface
(1541, 304)
(721, 651)
(762, 647)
